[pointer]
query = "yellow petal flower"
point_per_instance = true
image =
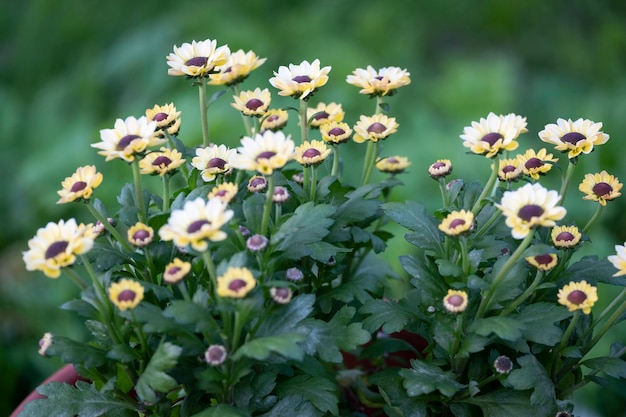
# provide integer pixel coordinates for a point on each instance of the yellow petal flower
(578, 296)
(235, 283)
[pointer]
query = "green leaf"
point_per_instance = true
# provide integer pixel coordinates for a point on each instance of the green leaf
(71, 351)
(293, 405)
(223, 410)
(432, 287)
(184, 312)
(321, 392)
(413, 216)
(285, 345)
(424, 378)
(341, 335)
(509, 286)
(322, 251)
(287, 319)
(506, 328)
(593, 270)
(539, 319)
(155, 378)
(472, 343)
(84, 400)
(253, 211)
(532, 375)
(614, 367)
(509, 403)
(386, 314)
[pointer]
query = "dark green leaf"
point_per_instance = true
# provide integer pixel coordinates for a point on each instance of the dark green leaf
(413, 216)
(532, 375)
(341, 335)
(285, 345)
(506, 328)
(592, 270)
(424, 378)
(321, 392)
(155, 378)
(539, 319)
(614, 367)
(223, 410)
(293, 405)
(509, 403)
(388, 315)
(71, 351)
(430, 284)
(398, 402)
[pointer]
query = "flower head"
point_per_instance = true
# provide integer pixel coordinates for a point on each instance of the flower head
(265, 152)
(619, 260)
(162, 162)
(335, 132)
(126, 294)
(225, 192)
(44, 343)
(544, 262)
(393, 164)
(257, 184)
(140, 235)
(574, 137)
(253, 103)
(213, 160)
(509, 169)
(256, 243)
(455, 301)
(237, 68)
(530, 206)
(300, 81)
(235, 283)
(578, 296)
(274, 120)
(383, 82)
(128, 138)
(324, 113)
(176, 271)
(457, 222)
(294, 274)
(494, 134)
(215, 355)
(600, 187)
(80, 185)
(56, 246)
(374, 128)
(197, 223)
(281, 194)
(197, 59)
(439, 169)
(535, 164)
(503, 364)
(167, 118)
(281, 295)
(311, 153)
(565, 236)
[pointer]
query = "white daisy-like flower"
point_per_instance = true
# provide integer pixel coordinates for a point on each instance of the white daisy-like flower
(265, 152)
(299, 81)
(213, 160)
(574, 137)
(383, 82)
(619, 260)
(197, 59)
(128, 138)
(237, 68)
(494, 134)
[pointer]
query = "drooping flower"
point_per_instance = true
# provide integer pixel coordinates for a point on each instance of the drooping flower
(439, 169)
(324, 113)
(565, 236)
(544, 262)
(80, 185)
(600, 187)
(197, 223)
(56, 245)
(509, 169)
(374, 128)
(127, 139)
(225, 192)
(530, 206)
(574, 137)
(237, 68)
(503, 364)
(164, 161)
(281, 295)
(274, 120)
(457, 222)
(335, 132)
(393, 164)
(215, 355)
(311, 153)
(494, 134)
(126, 294)
(140, 235)
(166, 117)
(300, 81)
(455, 301)
(235, 283)
(197, 59)
(578, 296)
(176, 270)
(265, 152)
(257, 184)
(383, 82)
(253, 102)
(619, 260)
(536, 164)
(213, 160)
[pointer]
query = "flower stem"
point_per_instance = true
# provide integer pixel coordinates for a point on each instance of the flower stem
(609, 322)
(370, 160)
(566, 179)
(166, 192)
(109, 227)
(527, 293)
(246, 119)
(210, 267)
(478, 205)
(141, 205)
(303, 121)
(335, 169)
(313, 188)
(75, 278)
(442, 189)
(204, 108)
(593, 218)
(267, 207)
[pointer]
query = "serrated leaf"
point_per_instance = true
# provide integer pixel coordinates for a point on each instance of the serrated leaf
(223, 410)
(319, 391)
(532, 375)
(424, 378)
(593, 270)
(341, 335)
(614, 367)
(413, 216)
(293, 405)
(388, 315)
(539, 319)
(506, 328)
(184, 312)
(509, 403)
(398, 402)
(431, 286)
(71, 351)
(287, 319)
(285, 345)
(154, 378)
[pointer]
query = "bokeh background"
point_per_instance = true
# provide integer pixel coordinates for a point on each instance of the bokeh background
(69, 68)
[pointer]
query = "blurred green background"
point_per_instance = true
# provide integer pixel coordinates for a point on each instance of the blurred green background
(70, 68)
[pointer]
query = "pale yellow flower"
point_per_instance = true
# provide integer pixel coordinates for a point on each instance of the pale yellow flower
(235, 283)
(578, 296)
(197, 59)
(383, 82)
(494, 134)
(160, 163)
(126, 294)
(311, 153)
(324, 113)
(80, 185)
(374, 128)
(600, 187)
(574, 137)
(265, 152)
(299, 81)
(252, 103)
(237, 68)
(127, 139)
(619, 260)
(214, 160)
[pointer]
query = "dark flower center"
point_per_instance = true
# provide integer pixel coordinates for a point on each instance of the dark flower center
(125, 141)
(577, 297)
(376, 128)
(533, 163)
(438, 165)
(272, 118)
(572, 137)
(455, 300)
(254, 104)
(197, 61)
(220, 193)
(215, 354)
(282, 293)
(392, 160)
(78, 186)
(492, 138)
(174, 270)
(544, 259)
(257, 182)
(218, 163)
(565, 237)
(236, 284)
(265, 155)
(456, 223)
(141, 235)
(526, 213)
(302, 79)
(197, 225)
(280, 191)
(602, 189)
(336, 131)
(159, 117)
(508, 168)
(56, 248)
(321, 115)
(311, 153)
(126, 295)
(161, 160)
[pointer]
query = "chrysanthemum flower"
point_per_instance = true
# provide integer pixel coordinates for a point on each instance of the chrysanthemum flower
(213, 160)
(281, 194)
(253, 102)
(374, 128)
(455, 301)
(311, 153)
(162, 162)
(619, 260)
(44, 343)
(56, 246)
(265, 152)
(256, 243)
(439, 169)
(257, 184)
(299, 81)
(197, 223)
(383, 82)
(578, 296)
(565, 236)
(335, 132)
(393, 164)
(536, 164)
(544, 262)
(128, 138)
(235, 283)
(140, 235)
(494, 134)
(575, 137)
(126, 294)
(237, 68)
(197, 59)
(274, 120)
(298, 177)
(225, 192)
(281, 295)
(509, 169)
(80, 185)
(457, 222)
(324, 113)
(166, 117)
(503, 364)
(176, 270)
(215, 355)
(530, 206)
(294, 274)
(600, 187)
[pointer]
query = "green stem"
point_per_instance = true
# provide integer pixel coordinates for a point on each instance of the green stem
(609, 322)
(303, 121)
(529, 291)
(267, 207)
(313, 189)
(335, 169)
(593, 218)
(564, 340)
(306, 180)
(166, 192)
(478, 205)
(566, 179)
(464, 258)
(75, 278)
(485, 227)
(210, 267)
(204, 108)
(370, 160)
(246, 119)
(170, 142)
(139, 192)
(109, 227)
(442, 189)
